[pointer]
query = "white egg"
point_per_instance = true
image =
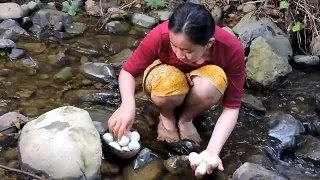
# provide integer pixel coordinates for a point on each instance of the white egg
(205, 155)
(194, 158)
(202, 168)
(134, 136)
(214, 162)
(124, 141)
(134, 145)
(115, 145)
(125, 148)
(107, 137)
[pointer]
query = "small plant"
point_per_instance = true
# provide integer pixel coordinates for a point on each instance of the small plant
(18, 126)
(39, 3)
(156, 3)
(70, 9)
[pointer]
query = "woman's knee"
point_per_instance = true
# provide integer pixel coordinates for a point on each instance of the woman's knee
(165, 80)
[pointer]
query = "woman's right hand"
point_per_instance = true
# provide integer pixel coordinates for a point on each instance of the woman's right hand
(122, 120)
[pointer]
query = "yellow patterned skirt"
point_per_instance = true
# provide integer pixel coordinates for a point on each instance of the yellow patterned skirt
(165, 80)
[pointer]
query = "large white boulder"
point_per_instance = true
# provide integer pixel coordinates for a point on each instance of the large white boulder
(63, 143)
(12, 11)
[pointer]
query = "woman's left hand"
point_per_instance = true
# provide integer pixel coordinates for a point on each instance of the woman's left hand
(209, 168)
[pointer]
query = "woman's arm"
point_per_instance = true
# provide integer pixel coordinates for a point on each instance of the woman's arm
(222, 130)
(127, 88)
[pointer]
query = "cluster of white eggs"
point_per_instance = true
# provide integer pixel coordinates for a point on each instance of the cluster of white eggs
(201, 160)
(126, 143)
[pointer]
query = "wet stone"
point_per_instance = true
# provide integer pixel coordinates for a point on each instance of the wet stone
(108, 168)
(13, 164)
(98, 72)
(117, 27)
(17, 54)
(6, 72)
(251, 102)
(175, 164)
(12, 25)
(7, 43)
(308, 149)
(25, 93)
(10, 154)
(76, 28)
(64, 75)
(10, 34)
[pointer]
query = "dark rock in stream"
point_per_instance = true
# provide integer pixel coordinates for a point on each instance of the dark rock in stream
(75, 28)
(12, 25)
(7, 43)
(10, 34)
(48, 18)
(308, 148)
(8, 120)
(98, 72)
(6, 73)
(176, 164)
(92, 97)
(28, 65)
(254, 171)
(251, 102)
(64, 75)
(283, 127)
(17, 54)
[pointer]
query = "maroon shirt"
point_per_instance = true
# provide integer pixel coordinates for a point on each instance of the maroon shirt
(228, 53)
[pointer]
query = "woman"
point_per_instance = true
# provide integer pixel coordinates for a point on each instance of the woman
(187, 61)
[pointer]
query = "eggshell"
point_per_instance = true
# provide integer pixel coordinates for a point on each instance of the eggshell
(194, 158)
(214, 162)
(134, 145)
(205, 155)
(124, 141)
(125, 148)
(107, 137)
(115, 145)
(134, 136)
(202, 168)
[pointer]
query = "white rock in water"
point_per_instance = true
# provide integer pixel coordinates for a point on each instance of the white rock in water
(107, 137)
(205, 155)
(202, 168)
(124, 141)
(62, 142)
(125, 148)
(115, 145)
(134, 136)
(194, 158)
(11, 11)
(134, 145)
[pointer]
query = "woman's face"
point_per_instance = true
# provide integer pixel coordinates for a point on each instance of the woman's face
(185, 50)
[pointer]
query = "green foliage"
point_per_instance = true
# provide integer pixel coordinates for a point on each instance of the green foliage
(155, 3)
(284, 5)
(297, 27)
(70, 9)
(39, 3)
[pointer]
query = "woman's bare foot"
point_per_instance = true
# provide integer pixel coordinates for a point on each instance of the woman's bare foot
(167, 130)
(188, 131)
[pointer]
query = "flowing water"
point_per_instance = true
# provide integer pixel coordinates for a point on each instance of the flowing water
(34, 93)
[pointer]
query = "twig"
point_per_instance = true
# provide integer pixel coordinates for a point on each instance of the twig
(121, 8)
(22, 172)
(254, 2)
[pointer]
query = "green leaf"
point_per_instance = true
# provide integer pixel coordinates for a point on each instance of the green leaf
(2, 53)
(18, 125)
(159, 3)
(297, 27)
(72, 12)
(16, 136)
(284, 5)
(39, 3)
(65, 6)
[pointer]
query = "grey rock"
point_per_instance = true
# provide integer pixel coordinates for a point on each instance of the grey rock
(47, 18)
(6, 72)
(216, 14)
(268, 30)
(117, 27)
(92, 97)
(99, 127)
(306, 60)
(229, 30)
(12, 25)
(58, 27)
(162, 15)
(264, 66)
(121, 57)
(7, 43)
(10, 34)
(308, 148)
(11, 10)
(32, 6)
(17, 54)
(315, 46)
(249, 7)
(76, 28)
(251, 102)
(240, 7)
(98, 72)
(255, 171)
(64, 75)
(226, 8)
(143, 20)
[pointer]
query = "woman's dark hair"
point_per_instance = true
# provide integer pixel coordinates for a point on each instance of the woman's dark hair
(194, 21)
